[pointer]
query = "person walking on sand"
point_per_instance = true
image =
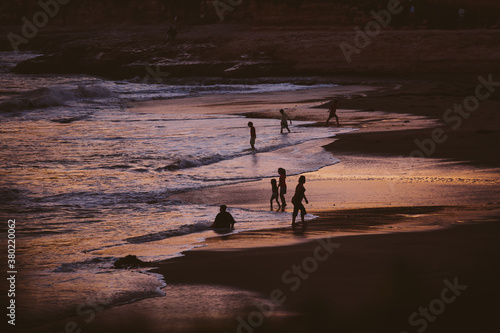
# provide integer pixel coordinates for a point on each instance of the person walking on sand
(282, 186)
(274, 196)
(284, 121)
(297, 200)
(253, 135)
(223, 220)
(333, 111)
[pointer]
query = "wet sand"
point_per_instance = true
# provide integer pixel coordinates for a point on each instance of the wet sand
(345, 284)
(403, 227)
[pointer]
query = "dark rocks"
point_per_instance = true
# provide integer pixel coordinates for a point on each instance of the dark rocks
(129, 262)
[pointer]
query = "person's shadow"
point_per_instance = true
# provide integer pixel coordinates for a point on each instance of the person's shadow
(299, 229)
(223, 231)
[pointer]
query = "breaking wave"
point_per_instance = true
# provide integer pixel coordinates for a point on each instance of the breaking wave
(105, 262)
(185, 229)
(52, 97)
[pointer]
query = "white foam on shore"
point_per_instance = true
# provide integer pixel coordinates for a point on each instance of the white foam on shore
(91, 180)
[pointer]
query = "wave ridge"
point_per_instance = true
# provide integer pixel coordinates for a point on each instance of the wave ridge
(52, 97)
(183, 230)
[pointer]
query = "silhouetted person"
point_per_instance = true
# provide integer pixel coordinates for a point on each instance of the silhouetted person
(282, 186)
(300, 193)
(461, 17)
(284, 121)
(333, 111)
(223, 220)
(274, 196)
(413, 17)
(253, 134)
(172, 32)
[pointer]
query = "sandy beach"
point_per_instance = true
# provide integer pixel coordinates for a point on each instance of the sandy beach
(403, 231)
(367, 283)
(394, 234)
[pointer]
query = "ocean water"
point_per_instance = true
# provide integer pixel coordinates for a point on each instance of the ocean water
(89, 181)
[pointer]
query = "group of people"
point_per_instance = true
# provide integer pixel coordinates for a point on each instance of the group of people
(332, 111)
(300, 194)
(284, 125)
(224, 219)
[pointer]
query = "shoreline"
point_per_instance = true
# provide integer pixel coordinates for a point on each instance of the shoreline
(195, 270)
(365, 282)
(221, 247)
(400, 244)
(350, 247)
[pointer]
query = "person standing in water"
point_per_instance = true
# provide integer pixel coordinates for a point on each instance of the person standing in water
(275, 193)
(282, 186)
(300, 193)
(333, 111)
(253, 134)
(284, 121)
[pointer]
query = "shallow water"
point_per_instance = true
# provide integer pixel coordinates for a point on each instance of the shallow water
(88, 181)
